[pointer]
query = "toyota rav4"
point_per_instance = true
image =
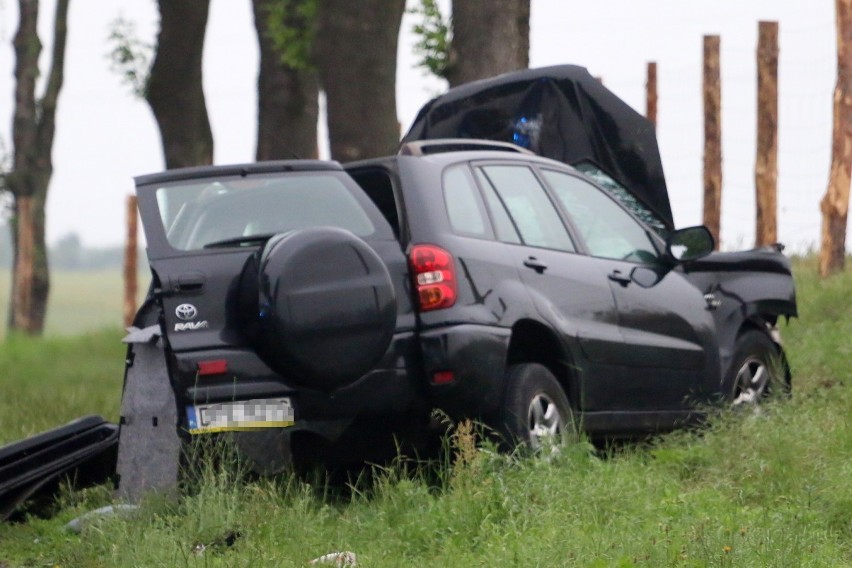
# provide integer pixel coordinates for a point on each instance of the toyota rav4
(309, 305)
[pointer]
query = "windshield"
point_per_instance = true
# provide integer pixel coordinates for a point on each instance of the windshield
(230, 211)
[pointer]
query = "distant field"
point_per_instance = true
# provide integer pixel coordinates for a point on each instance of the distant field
(80, 301)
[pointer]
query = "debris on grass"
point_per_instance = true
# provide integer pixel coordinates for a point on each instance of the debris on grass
(77, 525)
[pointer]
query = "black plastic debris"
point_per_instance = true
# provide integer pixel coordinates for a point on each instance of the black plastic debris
(85, 450)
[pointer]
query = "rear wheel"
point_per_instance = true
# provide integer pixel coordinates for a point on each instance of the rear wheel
(535, 412)
(756, 369)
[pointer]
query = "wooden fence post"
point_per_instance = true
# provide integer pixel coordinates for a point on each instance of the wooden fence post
(712, 137)
(130, 263)
(835, 204)
(766, 164)
(651, 94)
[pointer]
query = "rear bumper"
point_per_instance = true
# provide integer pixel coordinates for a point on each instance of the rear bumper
(394, 388)
(476, 357)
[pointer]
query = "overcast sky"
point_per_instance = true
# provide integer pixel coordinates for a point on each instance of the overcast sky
(105, 136)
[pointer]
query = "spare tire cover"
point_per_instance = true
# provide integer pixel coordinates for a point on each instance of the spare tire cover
(327, 306)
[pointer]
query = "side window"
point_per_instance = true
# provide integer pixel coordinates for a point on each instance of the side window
(464, 204)
(608, 230)
(627, 199)
(531, 210)
(503, 226)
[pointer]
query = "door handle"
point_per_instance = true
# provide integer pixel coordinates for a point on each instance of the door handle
(617, 276)
(535, 264)
(189, 282)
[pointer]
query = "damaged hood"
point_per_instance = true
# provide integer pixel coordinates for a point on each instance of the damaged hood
(559, 112)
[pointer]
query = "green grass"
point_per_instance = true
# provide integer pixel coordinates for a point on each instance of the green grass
(48, 382)
(768, 489)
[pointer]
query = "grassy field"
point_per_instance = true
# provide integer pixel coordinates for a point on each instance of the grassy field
(80, 301)
(768, 489)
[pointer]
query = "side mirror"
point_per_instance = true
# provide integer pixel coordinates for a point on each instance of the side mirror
(690, 243)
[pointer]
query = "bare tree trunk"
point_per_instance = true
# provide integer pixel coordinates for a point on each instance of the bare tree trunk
(651, 94)
(766, 166)
(175, 91)
(355, 50)
(835, 204)
(25, 263)
(287, 98)
(33, 130)
(488, 39)
(712, 137)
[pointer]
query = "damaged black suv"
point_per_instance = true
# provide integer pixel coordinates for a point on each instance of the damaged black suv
(309, 305)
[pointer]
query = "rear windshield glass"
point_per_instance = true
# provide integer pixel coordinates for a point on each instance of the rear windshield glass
(218, 211)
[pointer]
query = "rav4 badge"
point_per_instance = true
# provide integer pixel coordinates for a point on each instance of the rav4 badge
(188, 312)
(191, 325)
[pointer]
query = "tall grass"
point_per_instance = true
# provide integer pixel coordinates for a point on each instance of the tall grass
(751, 489)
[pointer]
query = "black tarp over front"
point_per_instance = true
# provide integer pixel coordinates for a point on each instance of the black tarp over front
(559, 112)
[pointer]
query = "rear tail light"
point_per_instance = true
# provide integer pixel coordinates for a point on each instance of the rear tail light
(213, 367)
(443, 377)
(434, 277)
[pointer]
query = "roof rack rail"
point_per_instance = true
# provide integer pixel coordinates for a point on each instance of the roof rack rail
(440, 145)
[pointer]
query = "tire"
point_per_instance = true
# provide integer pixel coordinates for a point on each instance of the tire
(757, 368)
(327, 307)
(535, 411)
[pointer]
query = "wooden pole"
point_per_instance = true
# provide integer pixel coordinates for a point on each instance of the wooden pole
(651, 93)
(130, 263)
(835, 204)
(766, 164)
(712, 137)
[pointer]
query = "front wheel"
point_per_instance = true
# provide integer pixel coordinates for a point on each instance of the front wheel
(757, 368)
(535, 411)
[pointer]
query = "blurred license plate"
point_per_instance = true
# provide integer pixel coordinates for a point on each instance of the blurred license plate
(240, 416)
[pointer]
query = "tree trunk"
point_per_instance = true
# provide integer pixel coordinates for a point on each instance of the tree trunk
(835, 204)
(488, 39)
(766, 166)
(33, 130)
(175, 91)
(355, 50)
(287, 109)
(712, 137)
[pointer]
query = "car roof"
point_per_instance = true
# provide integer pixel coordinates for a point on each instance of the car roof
(201, 172)
(445, 157)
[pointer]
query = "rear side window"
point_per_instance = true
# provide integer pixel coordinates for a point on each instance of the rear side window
(200, 213)
(531, 210)
(464, 204)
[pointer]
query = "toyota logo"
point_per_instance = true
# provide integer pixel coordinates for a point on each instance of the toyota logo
(186, 312)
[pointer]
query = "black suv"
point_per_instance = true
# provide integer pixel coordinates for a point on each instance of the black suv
(316, 303)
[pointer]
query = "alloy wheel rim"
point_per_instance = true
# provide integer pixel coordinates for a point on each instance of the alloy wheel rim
(544, 421)
(752, 380)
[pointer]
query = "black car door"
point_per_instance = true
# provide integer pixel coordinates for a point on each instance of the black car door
(669, 358)
(567, 289)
